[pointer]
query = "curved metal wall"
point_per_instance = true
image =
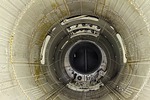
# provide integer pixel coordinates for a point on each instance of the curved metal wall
(25, 23)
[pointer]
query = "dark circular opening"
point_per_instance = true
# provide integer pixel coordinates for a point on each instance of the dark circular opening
(85, 57)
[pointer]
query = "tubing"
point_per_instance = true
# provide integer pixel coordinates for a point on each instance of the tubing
(24, 24)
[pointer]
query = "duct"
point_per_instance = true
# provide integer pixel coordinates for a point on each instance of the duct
(24, 24)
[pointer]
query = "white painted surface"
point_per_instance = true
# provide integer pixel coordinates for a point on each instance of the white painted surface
(20, 32)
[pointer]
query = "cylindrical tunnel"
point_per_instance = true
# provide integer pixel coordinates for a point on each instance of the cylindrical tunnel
(108, 37)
